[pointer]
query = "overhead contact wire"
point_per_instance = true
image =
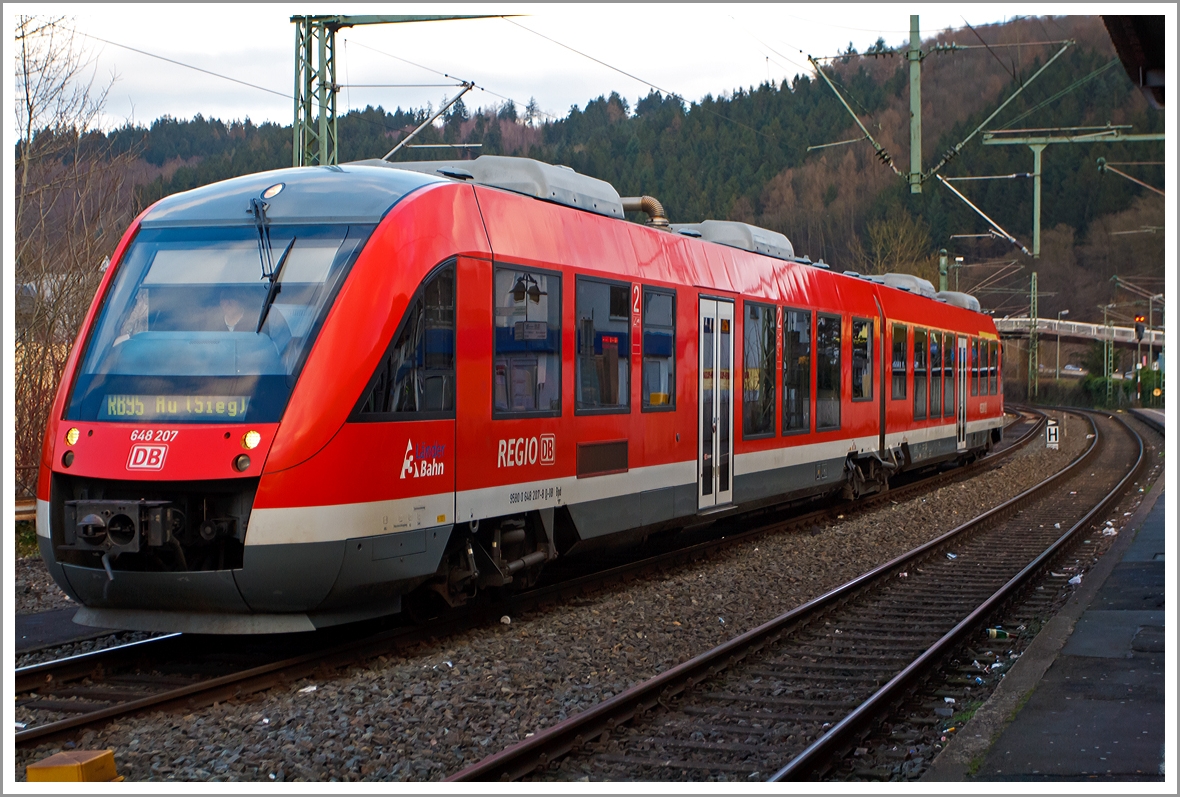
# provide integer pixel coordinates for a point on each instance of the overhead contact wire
(672, 94)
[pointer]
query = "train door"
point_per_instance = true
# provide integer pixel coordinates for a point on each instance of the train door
(961, 366)
(715, 408)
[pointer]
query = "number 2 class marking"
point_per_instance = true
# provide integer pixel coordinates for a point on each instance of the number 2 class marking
(635, 302)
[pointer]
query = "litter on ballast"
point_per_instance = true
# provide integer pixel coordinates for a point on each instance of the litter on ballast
(20, 726)
(1126, 514)
(722, 619)
(266, 721)
(449, 665)
(1076, 580)
(952, 556)
(1056, 525)
(903, 575)
(506, 620)
(948, 700)
(1109, 532)
(1056, 575)
(307, 689)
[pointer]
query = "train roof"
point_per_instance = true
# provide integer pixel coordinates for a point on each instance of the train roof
(348, 194)
(534, 178)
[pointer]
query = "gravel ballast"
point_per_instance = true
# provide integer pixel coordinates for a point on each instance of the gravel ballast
(36, 591)
(431, 711)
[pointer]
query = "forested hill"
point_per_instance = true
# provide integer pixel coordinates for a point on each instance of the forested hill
(743, 155)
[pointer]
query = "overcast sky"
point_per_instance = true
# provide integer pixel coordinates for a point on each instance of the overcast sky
(691, 50)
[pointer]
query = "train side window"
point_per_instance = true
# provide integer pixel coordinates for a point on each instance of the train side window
(993, 368)
(526, 358)
(603, 346)
(862, 359)
(760, 349)
(796, 371)
(948, 372)
(935, 374)
(919, 374)
(416, 377)
(827, 372)
(975, 366)
(900, 332)
(659, 350)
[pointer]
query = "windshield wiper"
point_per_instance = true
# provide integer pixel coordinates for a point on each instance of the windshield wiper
(262, 223)
(275, 285)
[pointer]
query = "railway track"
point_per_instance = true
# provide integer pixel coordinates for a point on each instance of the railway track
(781, 701)
(188, 671)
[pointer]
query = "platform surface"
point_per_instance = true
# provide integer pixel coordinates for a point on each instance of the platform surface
(48, 629)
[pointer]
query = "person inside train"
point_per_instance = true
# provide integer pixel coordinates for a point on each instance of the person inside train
(232, 311)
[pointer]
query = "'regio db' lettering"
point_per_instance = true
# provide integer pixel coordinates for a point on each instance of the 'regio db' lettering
(516, 451)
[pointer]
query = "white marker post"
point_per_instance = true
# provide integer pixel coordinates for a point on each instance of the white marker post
(1051, 434)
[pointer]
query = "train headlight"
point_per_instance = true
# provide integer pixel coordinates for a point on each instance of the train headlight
(72, 436)
(250, 440)
(241, 462)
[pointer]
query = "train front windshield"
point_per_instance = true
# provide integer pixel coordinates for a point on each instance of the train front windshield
(194, 330)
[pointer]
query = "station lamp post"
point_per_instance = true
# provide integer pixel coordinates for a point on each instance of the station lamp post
(1063, 312)
(1140, 326)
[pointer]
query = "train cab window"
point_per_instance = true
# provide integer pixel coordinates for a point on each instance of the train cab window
(975, 366)
(948, 372)
(526, 360)
(603, 346)
(935, 374)
(993, 369)
(659, 350)
(796, 371)
(862, 359)
(758, 370)
(827, 372)
(919, 374)
(899, 352)
(416, 377)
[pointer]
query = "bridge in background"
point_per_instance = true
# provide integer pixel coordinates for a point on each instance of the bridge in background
(1051, 327)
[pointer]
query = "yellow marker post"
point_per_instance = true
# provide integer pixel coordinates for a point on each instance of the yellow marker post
(75, 765)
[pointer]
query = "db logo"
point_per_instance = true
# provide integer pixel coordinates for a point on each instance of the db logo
(548, 449)
(145, 457)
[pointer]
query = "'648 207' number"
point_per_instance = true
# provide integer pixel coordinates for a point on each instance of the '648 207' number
(154, 435)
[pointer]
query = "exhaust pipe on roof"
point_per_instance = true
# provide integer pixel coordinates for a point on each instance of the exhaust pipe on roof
(649, 205)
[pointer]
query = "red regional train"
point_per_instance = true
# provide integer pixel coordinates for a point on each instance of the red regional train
(300, 396)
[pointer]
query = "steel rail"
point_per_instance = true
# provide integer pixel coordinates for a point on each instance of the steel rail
(266, 675)
(826, 746)
(573, 733)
